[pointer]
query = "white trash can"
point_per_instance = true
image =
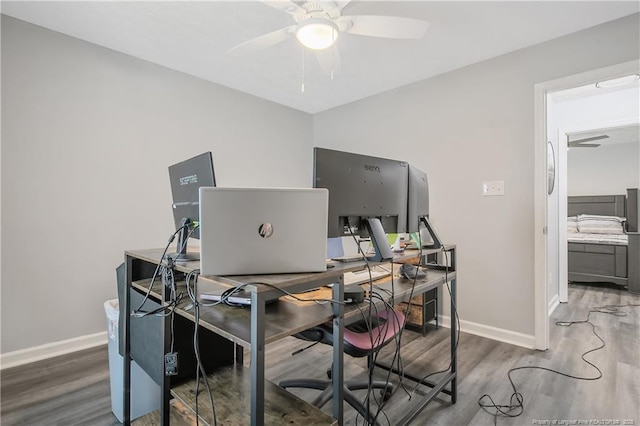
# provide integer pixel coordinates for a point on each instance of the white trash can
(145, 393)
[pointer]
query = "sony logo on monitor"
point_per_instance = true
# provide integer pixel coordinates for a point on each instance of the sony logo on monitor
(188, 180)
(372, 168)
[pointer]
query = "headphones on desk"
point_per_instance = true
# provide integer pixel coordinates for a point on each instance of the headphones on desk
(411, 272)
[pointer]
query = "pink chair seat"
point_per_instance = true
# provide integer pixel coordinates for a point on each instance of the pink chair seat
(380, 334)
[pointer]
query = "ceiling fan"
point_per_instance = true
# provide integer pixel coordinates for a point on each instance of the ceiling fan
(581, 143)
(318, 24)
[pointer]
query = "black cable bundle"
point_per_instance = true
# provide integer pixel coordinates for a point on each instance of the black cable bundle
(455, 309)
(193, 275)
(160, 267)
(374, 313)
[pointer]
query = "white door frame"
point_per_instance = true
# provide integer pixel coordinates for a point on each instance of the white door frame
(541, 285)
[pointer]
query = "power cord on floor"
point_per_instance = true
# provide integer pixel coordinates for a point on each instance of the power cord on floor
(515, 407)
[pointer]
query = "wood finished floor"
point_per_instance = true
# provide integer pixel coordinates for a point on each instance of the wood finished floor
(74, 389)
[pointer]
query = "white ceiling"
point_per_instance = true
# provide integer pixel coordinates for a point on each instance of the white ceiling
(194, 37)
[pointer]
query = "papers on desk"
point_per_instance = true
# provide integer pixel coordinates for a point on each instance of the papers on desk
(361, 277)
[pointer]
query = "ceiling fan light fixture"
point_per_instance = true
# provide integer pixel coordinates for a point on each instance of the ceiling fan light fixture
(616, 82)
(317, 34)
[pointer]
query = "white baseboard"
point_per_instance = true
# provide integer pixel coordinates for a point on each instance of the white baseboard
(553, 304)
(494, 333)
(50, 350)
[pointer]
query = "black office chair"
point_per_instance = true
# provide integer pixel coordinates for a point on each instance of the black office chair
(358, 342)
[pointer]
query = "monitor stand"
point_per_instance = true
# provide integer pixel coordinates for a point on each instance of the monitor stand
(181, 255)
(437, 243)
(379, 240)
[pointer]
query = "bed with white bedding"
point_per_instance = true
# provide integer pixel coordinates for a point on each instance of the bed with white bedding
(603, 239)
(619, 240)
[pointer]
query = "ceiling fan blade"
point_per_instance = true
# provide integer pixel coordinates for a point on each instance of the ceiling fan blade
(265, 40)
(595, 138)
(383, 26)
(342, 3)
(329, 60)
(285, 6)
(583, 145)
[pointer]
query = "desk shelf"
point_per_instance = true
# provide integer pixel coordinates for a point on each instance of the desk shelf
(234, 323)
(231, 389)
(231, 386)
(179, 415)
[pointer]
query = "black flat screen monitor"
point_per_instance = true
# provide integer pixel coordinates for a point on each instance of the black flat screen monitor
(362, 187)
(186, 178)
(418, 198)
(418, 208)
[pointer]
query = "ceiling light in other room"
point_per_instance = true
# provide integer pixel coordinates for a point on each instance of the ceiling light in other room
(317, 33)
(616, 82)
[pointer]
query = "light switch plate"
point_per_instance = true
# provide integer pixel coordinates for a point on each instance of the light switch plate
(492, 188)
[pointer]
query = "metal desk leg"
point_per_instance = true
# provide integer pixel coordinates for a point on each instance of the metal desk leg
(338, 346)
(452, 254)
(239, 354)
(454, 326)
(424, 314)
(126, 308)
(257, 359)
(166, 380)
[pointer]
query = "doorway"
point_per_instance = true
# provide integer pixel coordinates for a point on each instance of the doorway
(608, 163)
(547, 222)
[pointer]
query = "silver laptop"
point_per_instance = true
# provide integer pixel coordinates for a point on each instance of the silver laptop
(247, 231)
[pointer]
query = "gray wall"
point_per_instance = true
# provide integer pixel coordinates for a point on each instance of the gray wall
(87, 136)
(472, 125)
(606, 170)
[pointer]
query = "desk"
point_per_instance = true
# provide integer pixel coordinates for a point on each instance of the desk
(262, 324)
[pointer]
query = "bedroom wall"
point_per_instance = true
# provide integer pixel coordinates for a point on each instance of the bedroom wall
(87, 137)
(472, 125)
(605, 170)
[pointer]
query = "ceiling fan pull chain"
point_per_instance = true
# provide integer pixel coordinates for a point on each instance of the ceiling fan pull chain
(333, 57)
(302, 76)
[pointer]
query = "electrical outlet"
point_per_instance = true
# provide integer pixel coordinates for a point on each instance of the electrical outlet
(171, 363)
(492, 188)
